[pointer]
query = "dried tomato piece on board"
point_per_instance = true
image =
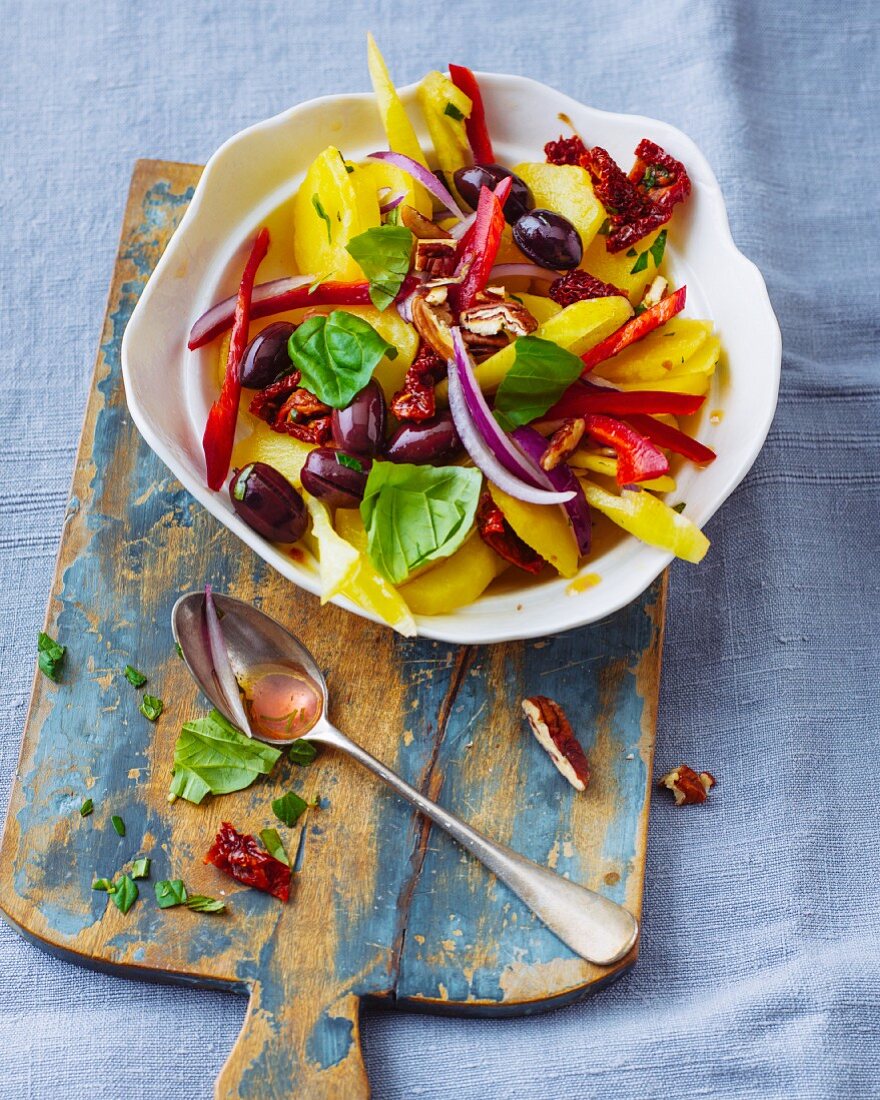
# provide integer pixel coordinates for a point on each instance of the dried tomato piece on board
(566, 150)
(240, 855)
(578, 286)
(416, 401)
(496, 532)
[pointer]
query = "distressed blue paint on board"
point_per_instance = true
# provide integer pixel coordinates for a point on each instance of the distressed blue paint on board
(382, 906)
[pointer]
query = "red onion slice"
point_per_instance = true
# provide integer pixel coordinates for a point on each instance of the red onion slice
(458, 231)
(219, 316)
(421, 175)
(562, 478)
(487, 452)
(224, 677)
(392, 204)
(529, 271)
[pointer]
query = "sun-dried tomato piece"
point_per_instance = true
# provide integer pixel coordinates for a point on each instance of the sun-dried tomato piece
(641, 202)
(496, 532)
(578, 286)
(566, 150)
(660, 176)
(288, 408)
(416, 401)
(268, 401)
(240, 855)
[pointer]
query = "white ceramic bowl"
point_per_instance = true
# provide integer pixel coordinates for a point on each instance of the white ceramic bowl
(170, 389)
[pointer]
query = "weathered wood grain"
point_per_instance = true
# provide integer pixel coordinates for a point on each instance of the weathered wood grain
(383, 907)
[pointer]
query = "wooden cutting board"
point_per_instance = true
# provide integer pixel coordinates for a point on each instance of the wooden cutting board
(383, 906)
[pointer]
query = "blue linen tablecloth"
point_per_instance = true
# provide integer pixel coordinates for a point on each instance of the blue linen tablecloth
(759, 972)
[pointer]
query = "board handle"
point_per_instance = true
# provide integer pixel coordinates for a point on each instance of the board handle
(293, 1044)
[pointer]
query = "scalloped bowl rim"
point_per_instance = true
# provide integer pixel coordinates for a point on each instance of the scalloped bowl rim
(506, 616)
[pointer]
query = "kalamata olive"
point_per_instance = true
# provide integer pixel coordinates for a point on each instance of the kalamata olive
(469, 181)
(337, 478)
(265, 358)
(361, 426)
(548, 239)
(266, 501)
(432, 442)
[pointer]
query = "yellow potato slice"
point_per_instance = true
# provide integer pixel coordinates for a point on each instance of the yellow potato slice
(544, 527)
(657, 354)
(455, 582)
(565, 189)
(616, 267)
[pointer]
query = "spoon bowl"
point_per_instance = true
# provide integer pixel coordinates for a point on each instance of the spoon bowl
(250, 646)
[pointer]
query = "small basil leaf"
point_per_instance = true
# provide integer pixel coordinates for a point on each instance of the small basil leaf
(170, 892)
(118, 824)
(640, 264)
(541, 373)
(658, 248)
(135, 678)
(383, 254)
(302, 752)
(289, 808)
(140, 868)
(86, 807)
(416, 514)
(50, 656)
(213, 757)
(274, 847)
(125, 894)
(151, 707)
(337, 355)
(200, 904)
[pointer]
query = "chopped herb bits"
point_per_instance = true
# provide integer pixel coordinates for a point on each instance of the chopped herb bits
(125, 894)
(86, 808)
(272, 842)
(151, 707)
(289, 808)
(302, 752)
(103, 884)
(140, 868)
(135, 678)
(50, 656)
(201, 904)
(170, 892)
(118, 824)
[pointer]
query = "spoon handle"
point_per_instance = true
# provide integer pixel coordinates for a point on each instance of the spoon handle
(594, 927)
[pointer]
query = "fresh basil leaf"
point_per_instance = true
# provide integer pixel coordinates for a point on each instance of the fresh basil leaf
(200, 904)
(640, 264)
(658, 248)
(151, 707)
(118, 824)
(213, 757)
(416, 514)
(140, 868)
(273, 845)
(86, 808)
(50, 656)
(349, 461)
(125, 894)
(170, 892)
(135, 678)
(337, 355)
(324, 216)
(541, 373)
(104, 884)
(302, 752)
(383, 253)
(453, 112)
(289, 808)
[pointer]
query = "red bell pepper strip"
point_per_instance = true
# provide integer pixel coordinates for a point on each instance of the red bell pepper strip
(479, 246)
(671, 439)
(220, 429)
(475, 127)
(584, 397)
(635, 329)
(637, 458)
(264, 303)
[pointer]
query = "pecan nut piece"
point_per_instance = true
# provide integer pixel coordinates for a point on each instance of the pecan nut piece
(492, 316)
(563, 442)
(688, 786)
(554, 734)
(433, 321)
(436, 257)
(420, 226)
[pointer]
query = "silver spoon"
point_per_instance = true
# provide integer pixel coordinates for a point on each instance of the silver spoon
(594, 927)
